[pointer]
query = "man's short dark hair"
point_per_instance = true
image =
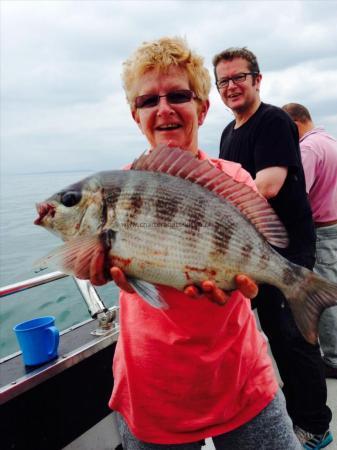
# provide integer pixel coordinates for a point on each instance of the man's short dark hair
(237, 52)
(297, 112)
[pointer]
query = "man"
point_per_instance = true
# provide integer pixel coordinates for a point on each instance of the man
(319, 157)
(264, 140)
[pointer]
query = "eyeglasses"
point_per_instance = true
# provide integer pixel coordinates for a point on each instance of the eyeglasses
(174, 97)
(237, 79)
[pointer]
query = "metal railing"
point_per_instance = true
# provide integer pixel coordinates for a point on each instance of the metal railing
(96, 307)
(105, 331)
(89, 294)
(30, 283)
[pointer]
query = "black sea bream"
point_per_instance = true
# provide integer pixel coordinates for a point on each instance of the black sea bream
(176, 221)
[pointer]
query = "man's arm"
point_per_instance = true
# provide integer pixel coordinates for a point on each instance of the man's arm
(310, 161)
(270, 180)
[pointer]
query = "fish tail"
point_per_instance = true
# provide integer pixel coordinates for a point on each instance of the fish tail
(308, 300)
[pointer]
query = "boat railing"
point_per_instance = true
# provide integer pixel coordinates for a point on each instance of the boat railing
(30, 283)
(79, 342)
(88, 292)
(96, 307)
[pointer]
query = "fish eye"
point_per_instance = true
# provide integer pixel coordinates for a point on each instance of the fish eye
(70, 198)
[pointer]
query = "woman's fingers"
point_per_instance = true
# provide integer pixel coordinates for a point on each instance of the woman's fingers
(192, 291)
(120, 279)
(214, 293)
(246, 286)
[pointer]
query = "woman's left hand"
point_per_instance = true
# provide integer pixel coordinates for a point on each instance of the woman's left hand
(244, 284)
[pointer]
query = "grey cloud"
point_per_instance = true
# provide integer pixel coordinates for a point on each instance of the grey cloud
(62, 99)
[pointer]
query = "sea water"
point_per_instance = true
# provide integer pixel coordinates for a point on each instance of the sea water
(21, 244)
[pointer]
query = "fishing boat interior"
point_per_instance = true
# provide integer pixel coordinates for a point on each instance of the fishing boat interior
(62, 404)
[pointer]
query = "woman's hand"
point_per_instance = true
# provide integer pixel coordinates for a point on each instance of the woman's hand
(119, 278)
(244, 284)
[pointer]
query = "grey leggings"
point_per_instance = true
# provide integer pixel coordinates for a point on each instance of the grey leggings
(271, 429)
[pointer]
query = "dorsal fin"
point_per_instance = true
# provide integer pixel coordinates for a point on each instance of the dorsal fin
(184, 164)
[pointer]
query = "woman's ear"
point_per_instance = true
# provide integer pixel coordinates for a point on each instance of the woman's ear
(134, 113)
(203, 109)
(135, 116)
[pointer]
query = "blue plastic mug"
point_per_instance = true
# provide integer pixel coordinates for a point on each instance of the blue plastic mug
(38, 339)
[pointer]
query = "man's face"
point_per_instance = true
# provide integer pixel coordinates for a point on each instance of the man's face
(241, 96)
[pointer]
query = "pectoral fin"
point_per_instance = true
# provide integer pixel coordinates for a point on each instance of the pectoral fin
(148, 292)
(77, 256)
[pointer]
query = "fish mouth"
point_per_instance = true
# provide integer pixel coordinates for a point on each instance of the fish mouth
(43, 210)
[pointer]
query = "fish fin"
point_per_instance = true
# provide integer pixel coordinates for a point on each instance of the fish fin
(251, 204)
(65, 258)
(309, 300)
(148, 292)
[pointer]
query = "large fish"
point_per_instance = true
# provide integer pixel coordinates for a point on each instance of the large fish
(175, 220)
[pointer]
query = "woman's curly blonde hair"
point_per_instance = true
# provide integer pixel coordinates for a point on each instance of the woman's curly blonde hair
(162, 54)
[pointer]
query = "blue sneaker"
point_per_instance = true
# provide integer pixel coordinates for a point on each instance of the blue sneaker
(311, 441)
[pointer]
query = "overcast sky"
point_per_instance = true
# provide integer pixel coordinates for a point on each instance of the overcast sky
(62, 102)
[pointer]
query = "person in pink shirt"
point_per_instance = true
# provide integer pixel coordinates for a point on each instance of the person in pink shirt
(195, 369)
(319, 157)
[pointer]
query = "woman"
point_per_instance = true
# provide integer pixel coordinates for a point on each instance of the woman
(194, 370)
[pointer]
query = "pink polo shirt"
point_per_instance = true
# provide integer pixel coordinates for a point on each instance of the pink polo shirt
(319, 157)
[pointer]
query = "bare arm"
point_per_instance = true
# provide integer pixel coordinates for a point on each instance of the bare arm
(270, 180)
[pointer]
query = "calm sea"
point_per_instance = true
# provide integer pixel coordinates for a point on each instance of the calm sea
(21, 244)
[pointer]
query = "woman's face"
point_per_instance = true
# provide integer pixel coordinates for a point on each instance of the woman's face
(175, 124)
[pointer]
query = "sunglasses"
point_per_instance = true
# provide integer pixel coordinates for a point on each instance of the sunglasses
(173, 97)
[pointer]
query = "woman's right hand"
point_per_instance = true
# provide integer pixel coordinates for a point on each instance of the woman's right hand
(119, 278)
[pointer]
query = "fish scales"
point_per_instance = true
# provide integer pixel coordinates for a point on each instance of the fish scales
(181, 248)
(172, 230)
(216, 240)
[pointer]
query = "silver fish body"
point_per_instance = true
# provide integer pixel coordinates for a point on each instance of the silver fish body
(173, 234)
(169, 230)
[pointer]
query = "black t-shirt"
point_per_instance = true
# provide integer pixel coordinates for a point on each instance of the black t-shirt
(270, 138)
